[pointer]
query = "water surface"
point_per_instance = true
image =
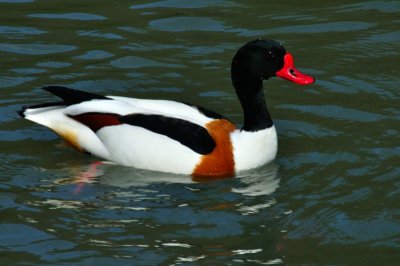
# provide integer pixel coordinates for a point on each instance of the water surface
(329, 197)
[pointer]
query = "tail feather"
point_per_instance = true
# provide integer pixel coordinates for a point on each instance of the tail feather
(23, 110)
(71, 96)
(68, 96)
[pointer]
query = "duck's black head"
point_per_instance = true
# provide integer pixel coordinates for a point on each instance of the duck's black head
(254, 62)
(262, 59)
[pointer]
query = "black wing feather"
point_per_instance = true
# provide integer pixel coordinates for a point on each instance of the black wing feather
(71, 96)
(189, 134)
(68, 96)
(207, 112)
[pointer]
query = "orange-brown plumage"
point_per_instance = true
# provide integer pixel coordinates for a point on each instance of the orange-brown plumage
(220, 162)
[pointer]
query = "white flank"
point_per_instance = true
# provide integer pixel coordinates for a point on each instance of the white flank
(135, 146)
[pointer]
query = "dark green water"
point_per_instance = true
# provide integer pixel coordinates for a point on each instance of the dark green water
(328, 199)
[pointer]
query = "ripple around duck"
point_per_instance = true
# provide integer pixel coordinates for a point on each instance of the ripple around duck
(299, 128)
(318, 158)
(146, 210)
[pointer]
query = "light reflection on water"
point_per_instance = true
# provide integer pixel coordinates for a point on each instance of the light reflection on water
(164, 211)
(333, 189)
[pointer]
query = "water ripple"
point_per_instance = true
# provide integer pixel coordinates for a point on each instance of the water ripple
(7, 81)
(178, 24)
(28, 71)
(388, 43)
(98, 34)
(299, 128)
(71, 16)
(8, 30)
(27, 234)
(336, 189)
(319, 158)
(53, 64)
(95, 55)
(187, 4)
(337, 112)
(133, 30)
(35, 49)
(343, 26)
(16, 1)
(387, 7)
(145, 46)
(353, 85)
(140, 62)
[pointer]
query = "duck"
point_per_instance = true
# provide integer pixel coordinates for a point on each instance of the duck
(172, 136)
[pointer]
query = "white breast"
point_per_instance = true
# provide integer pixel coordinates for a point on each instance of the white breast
(253, 149)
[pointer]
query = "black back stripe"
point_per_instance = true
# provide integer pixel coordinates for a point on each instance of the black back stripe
(189, 134)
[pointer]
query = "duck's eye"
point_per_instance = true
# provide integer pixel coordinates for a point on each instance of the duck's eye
(270, 54)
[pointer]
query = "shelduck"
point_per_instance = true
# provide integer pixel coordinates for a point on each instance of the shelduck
(176, 137)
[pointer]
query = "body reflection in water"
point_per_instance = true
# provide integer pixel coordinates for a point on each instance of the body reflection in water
(261, 181)
(117, 206)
